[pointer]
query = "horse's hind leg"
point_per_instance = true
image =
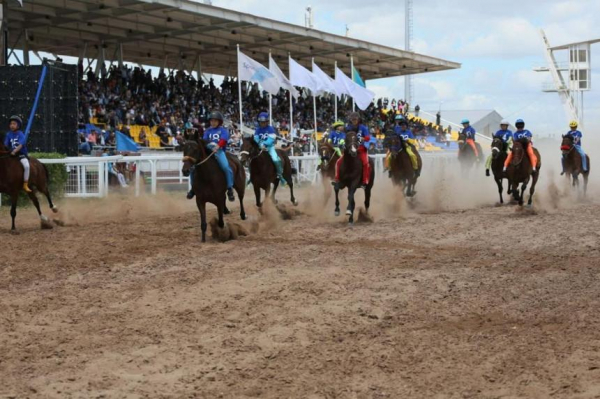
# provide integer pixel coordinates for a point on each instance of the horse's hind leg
(499, 183)
(275, 185)
(290, 183)
(241, 198)
(257, 195)
(43, 219)
(367, 198)
(532, 189)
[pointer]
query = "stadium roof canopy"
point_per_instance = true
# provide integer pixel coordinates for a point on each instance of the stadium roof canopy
(182, 34)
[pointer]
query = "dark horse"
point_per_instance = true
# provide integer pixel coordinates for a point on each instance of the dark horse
(11, 183)
(573, 164)
(262, 170)
(520, 171)
(329, 158)
(466, 155)
(351, 170)
(401, 169)
(499, 149)
(209, 180)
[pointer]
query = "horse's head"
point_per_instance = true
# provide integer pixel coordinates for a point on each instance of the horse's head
(395, 143)
(497, 147)
(327, 152)
(352, 144)
(518, 153)
(248, 150)
(462, 138)
(567, 144)
(191, 156)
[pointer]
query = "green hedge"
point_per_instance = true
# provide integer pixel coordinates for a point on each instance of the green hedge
(58, 178)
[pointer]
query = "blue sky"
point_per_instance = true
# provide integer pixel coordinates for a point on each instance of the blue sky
(497, 43)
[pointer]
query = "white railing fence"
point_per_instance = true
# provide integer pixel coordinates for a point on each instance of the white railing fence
(90, 176)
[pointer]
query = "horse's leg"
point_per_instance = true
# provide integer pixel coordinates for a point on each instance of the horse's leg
(257, 195)
(226, 210)
(43, 219)
(220, 212)
(240, 194)
(367, 198)
(337, 202)
(350, 209)
(585, 183)
(202, 208)
(532, 189)
(523, 189)
(499, 183)
(290, 182)
(275, 185)
(13, 211)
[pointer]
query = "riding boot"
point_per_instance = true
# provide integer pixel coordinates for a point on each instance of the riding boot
(279, 171)
(487, 172)
(26, 187)
(230, 195)
(190, 194)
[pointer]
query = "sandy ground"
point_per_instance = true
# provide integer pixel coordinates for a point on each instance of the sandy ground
(449, 297)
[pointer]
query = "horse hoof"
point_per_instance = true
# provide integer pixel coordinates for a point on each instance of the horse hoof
(337, 213)
(348, 213)
(295, 202)
(243, 216)
(14, 232)
(55, 209)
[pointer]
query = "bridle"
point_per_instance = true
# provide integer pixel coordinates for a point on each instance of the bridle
(194, 161)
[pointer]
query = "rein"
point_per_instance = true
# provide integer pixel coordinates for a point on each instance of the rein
(194, 161)
(254, 157)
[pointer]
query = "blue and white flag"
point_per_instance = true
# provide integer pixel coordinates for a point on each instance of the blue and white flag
(252, 71)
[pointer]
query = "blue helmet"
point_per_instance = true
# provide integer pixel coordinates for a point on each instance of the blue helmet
(520, 121)
(465, 120)
(263, 117)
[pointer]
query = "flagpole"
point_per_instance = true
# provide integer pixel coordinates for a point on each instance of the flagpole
(315, 117)
(335, 94)
(291, 111)
(352, 78)
(240, 92)
(270, 102)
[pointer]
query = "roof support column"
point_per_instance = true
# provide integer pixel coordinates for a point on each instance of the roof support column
(199, 68)
(120, 55)
(26, 49)
(164, 65)
(100, 61)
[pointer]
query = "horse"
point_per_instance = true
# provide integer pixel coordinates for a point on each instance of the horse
(263, 172)
(520, 171)
(401, 169)
(466, 155)
(351, 176)
(209, 181)
(11, 183)
(499, 155)
(573, 164)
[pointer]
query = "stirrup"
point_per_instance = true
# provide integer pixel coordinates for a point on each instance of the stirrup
(190, 194)
(26, 188)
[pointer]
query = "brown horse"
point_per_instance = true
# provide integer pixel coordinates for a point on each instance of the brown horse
(329, 157)
(209, 181)
(402, 172)
(350, 173)
(466, 155)
(11, 183)
(572, 163)
(520, 171)
(263, 172)
(499, 148)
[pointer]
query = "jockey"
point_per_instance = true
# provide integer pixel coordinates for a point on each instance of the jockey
(470, 134)
(506, 136)
(401, 129)
(364, 137)
(265, 136)
(576, 136)
(337, 137)
(524, 136)
(15, 141)
(217, 137)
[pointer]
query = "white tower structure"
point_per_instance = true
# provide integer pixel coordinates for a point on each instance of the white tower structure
(571, 87)
(408, 33)
(309, 17)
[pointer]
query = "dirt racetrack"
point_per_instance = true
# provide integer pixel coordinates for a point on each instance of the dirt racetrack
(449, 298)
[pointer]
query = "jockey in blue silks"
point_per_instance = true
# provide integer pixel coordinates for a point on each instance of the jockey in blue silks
(16, 142)
(506, 136)
(576, 136)
(266, 137)
(217, 138)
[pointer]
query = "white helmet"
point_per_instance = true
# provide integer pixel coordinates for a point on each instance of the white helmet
(504, 122)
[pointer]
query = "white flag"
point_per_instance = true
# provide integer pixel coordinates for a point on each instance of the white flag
(325, 83)
(283, 81)
(362, 96)
(300, 76)
(20, 2)
(252, 71)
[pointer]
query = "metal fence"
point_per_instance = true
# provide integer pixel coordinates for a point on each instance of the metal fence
(91, 176)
